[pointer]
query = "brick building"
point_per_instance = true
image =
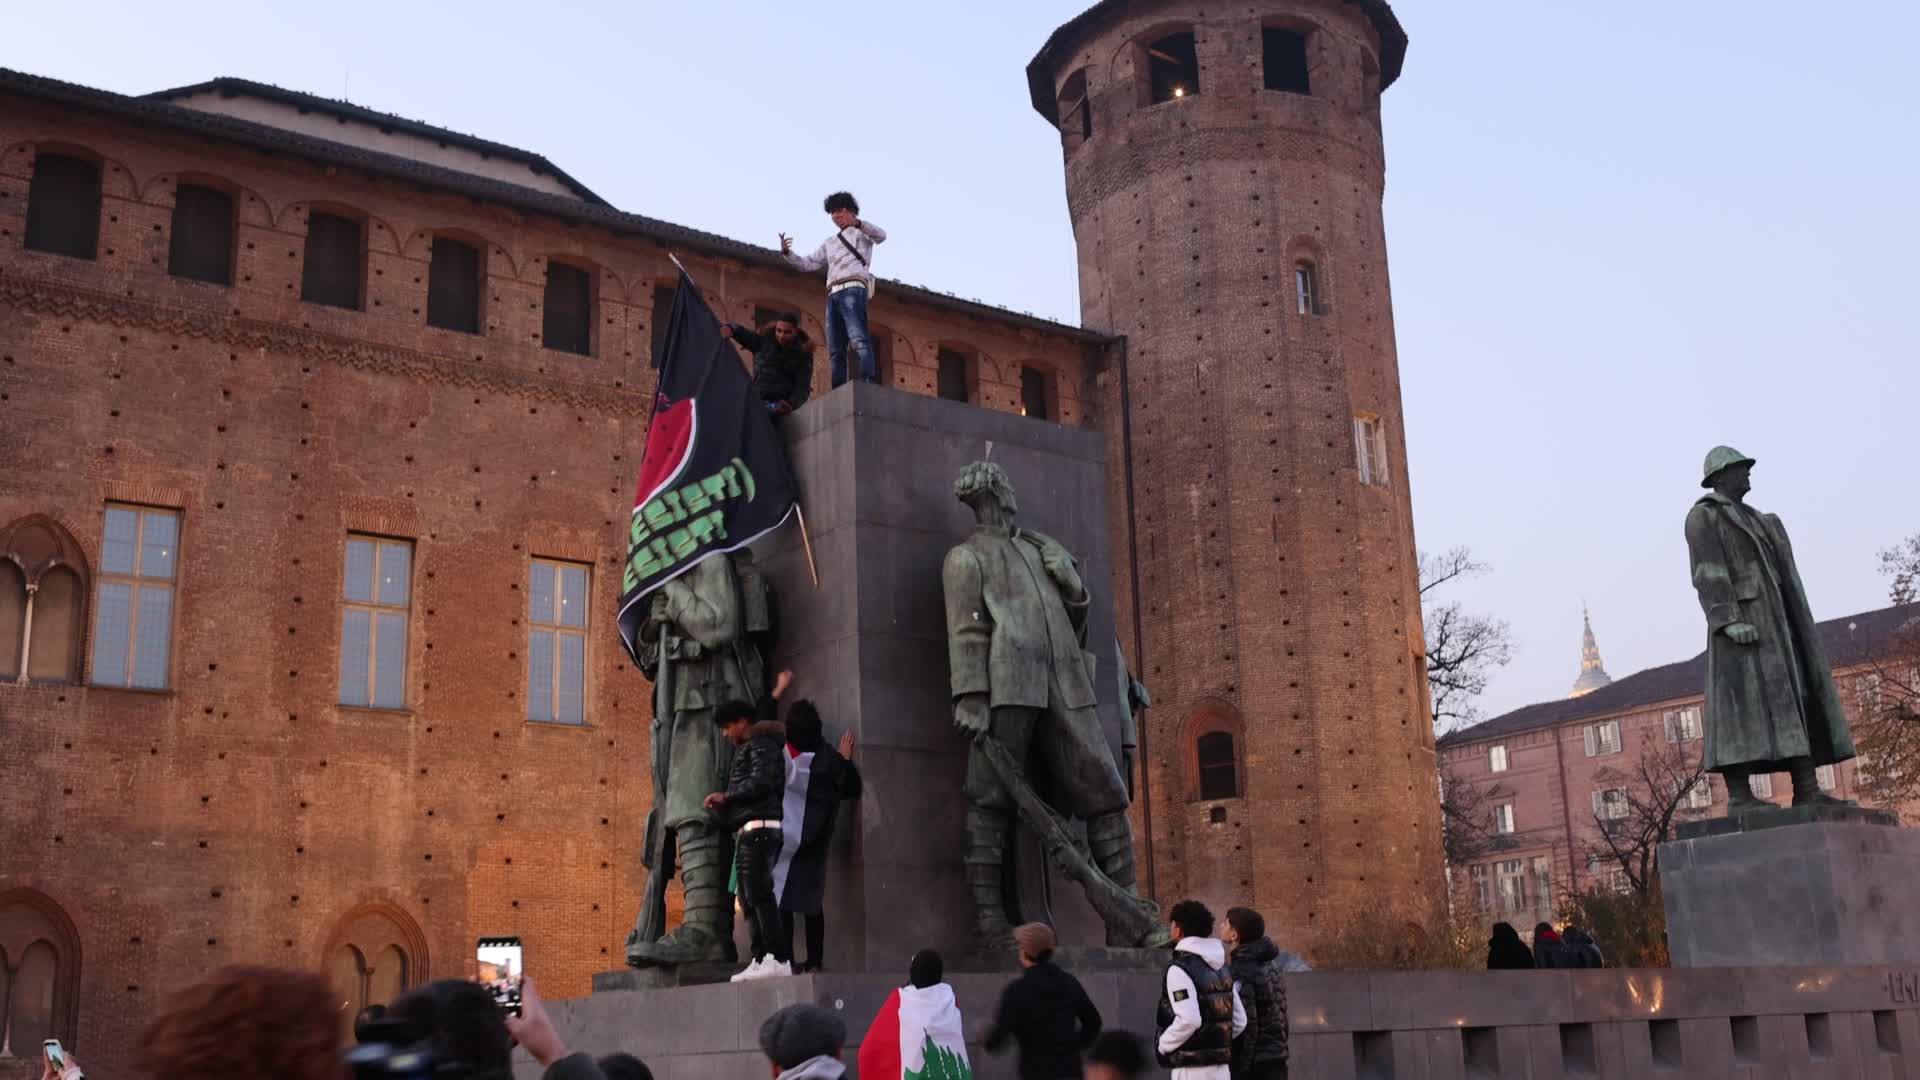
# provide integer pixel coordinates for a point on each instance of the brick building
(319, 429)
(1546, 776)
(1224, 170)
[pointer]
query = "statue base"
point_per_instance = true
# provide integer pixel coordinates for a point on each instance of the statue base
(1812, 885)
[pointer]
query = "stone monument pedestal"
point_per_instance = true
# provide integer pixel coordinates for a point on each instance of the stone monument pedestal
(1798, 886)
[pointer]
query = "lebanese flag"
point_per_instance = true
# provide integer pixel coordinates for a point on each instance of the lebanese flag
(917, 1036)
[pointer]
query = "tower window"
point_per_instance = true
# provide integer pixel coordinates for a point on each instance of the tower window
(1173, 68)
(453, 286)
(1284, 56)
(956, 374)
(1074, 110)
(567, 323)
(1370, 450)
(1306, 289)
(202, 244)
(335, 250)
(882, 352)
(63, 206)
(1219, 773)
(1036, 394)
(662, 315)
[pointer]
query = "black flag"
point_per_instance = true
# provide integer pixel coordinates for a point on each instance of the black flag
(714, 475)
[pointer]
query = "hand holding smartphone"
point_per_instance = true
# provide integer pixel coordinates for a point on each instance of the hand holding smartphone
(502, 966)
(56, 1055)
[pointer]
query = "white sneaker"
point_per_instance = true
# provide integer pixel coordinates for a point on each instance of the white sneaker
(752, 971)
(776, 969)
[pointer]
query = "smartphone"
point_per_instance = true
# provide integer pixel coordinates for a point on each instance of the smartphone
(502, 966)
(55, 1054)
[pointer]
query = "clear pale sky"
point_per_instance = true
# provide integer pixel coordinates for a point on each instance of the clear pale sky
(1620, 233)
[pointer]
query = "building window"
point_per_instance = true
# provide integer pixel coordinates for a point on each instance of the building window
(63, 206)
(133, 618)
(1036, 394)
(1682, 725)
(557, 643)
(1370, 450)
(1761, 784)
(1075, 111)
(1173, 68)
(1482, 887)
(336, 249)
(42, 602)
(1700, 794)
(568, 321)
(1218, 769)
(882, 352)
(1497, 759)
(39, 973)
(956, 374)
(201, 247)
(1614, 880)
(1824, 776)
(1503, 819)
(663, 296)
(1511, 874)
(1610, 804)
(1602, 738)
(453, 286)
(373, 623)
(1306, 289)
(1866, 691)
(1284, 58)
(1540, 880)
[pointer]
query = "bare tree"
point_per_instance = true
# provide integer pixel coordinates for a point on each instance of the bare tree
(1464, 648)
(1887, 699)
(1640, 805)
(1467, 829)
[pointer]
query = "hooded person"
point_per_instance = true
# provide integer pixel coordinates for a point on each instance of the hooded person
(918, 1030)
(1200, 1011)
(1548, 950)
(1505, 950)
(819, 779)
(804, 1042)
(1581, 950)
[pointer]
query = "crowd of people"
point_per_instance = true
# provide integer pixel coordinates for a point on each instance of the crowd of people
(1571, 948)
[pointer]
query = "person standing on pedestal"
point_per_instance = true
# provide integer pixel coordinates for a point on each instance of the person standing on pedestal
(1771, 700)
(848, 259)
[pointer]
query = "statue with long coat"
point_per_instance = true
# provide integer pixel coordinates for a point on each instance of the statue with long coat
(1771, 701)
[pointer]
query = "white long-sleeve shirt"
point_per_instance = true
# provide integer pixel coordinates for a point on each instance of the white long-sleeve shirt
(842, 267)
(1182, 994)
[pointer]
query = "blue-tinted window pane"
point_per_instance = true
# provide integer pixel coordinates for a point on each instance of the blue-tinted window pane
(110, 625)
(540, 594)
(573, 596)
(390, 663)
(116, 551)
(395, 566)
(573, 677)
(356, 633)
(540, 675)
(159, 535)
(360, 571)
(152, 637)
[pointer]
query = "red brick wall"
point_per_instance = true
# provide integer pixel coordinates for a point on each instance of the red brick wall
(1270, 579)
(241, 814)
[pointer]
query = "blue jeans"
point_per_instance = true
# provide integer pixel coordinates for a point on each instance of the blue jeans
(847, 325)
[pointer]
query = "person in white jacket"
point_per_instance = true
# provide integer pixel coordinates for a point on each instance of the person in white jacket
(1200, 1009)
(848, 259)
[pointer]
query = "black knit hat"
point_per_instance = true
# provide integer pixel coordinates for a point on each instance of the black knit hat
(799, 1032)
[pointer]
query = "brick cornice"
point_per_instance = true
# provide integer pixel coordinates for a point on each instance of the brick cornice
(59, 299)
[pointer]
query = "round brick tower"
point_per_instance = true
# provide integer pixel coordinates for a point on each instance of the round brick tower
(1224, 176)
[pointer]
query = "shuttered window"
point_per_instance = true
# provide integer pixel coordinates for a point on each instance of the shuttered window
(336, 250)
(453, 286)
(567, 324)
(63, 206)
(201, 246)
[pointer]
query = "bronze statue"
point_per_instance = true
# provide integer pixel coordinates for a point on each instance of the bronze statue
(1023, 691)
(699, 627)
(1771, 701)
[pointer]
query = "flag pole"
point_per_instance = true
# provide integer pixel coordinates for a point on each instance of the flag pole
(806, 544)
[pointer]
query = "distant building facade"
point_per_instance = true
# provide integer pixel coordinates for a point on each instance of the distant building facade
(1545, 777)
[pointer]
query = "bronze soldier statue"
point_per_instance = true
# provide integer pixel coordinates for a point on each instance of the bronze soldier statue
(1771, 701)
(1021, 678)
(699, 628)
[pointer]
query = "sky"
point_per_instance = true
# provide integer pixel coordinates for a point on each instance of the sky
(1619, 233)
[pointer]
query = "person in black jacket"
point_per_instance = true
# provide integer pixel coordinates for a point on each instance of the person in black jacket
(751, 804)
(782, 361)
(1505, 950)
(1259, 1052)
(1549, 951)
(1045, 1011)
(823, 778)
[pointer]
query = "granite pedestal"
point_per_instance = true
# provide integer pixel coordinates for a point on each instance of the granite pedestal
(876, 469)
(1798, 886)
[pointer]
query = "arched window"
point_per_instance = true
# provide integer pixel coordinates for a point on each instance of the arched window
(1306, 288)
(1217, 766)
(1172, 67)
(39, 972)
(42, 602)
(377, 953)
(1075, 111)
(63, 205)
(882, 352)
